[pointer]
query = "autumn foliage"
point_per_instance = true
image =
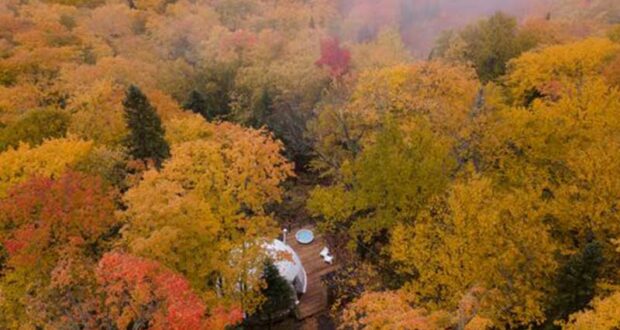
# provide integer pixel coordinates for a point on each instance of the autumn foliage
(464, 179)
(53, 231)
(73, 211)
(208, 202)
(334, 57)
(142, 291)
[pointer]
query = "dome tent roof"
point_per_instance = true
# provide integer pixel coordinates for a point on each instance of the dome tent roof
(285, 259)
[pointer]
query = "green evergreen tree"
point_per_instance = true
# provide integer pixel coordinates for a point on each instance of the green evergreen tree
(614, 33)
(197, 103)
(489, 44)
(218, 86)
(4, 255)
(576, 282)
(262, 111)
(278, 293)
(145, 140)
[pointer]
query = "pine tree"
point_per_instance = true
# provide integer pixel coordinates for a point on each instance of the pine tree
(197, 103)
(145, 140)
(278, 293)
(262, 113)
(576, 281)
(4, 255)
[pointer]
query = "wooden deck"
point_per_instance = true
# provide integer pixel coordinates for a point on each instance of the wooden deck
(314, 301)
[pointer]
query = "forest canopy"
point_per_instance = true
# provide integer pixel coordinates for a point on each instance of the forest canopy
(460, 159)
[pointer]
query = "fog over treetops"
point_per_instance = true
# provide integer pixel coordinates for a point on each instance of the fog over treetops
(420, 21)
(458, 159)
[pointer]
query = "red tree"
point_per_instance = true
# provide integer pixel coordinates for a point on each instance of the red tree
(142, 291)
(54, 231)
(335, 57)
(42, 216)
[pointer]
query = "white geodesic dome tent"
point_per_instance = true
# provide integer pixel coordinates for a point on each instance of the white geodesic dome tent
(288, 263)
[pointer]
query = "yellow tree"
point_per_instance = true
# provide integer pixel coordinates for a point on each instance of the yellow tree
(390, 310)
(189, 127)
(604, 314)
(544, 32)
(566, 148)
(479, 237)
(390, 182)
(49, 159)
(440, 93)
(395, 310)
(35, 45)
(552, 71)
(386, 50)
(204, 215)
(98, 113)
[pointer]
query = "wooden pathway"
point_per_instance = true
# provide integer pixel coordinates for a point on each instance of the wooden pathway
(314, 301)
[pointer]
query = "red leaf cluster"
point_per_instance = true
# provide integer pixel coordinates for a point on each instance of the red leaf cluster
(142, 289)
(65, 213)
(238, 41)
(336, 58)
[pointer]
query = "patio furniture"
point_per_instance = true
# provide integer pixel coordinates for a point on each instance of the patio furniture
(304, 236)
(326, 256)
(325, 252)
